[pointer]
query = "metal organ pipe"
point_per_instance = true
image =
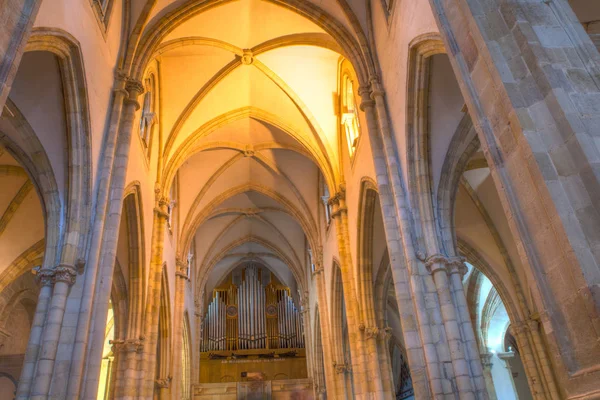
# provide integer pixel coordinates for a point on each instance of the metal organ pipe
(247, 325)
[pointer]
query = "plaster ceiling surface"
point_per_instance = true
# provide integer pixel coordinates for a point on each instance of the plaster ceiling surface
(248, 93)
(21, 220)
(265, 11)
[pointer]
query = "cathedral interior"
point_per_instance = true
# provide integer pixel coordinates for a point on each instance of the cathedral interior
(299, 199)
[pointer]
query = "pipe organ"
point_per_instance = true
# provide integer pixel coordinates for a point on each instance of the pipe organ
(253, 312)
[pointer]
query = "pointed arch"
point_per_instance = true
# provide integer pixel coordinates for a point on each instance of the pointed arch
(134, 218)
(79, 191)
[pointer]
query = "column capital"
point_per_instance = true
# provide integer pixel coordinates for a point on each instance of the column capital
(342, 368)
(486, 360)
(163, 383)
(127, 345)
(181, 269)
(451, 265)
(61, 273)
(65, 273)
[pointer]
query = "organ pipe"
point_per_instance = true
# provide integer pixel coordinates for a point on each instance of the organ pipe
(252, 316)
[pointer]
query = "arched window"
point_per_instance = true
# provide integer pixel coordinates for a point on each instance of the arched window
(350, 114)
(107, 355)
(148, 117)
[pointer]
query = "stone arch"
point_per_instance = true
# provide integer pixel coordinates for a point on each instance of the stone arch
(35, 161)
(296, 269)
(464, 144)
(306, 222)
(134, 218)
(78, 198)
(421, 49)
(189, 147)
(139, 54)
(364, 259)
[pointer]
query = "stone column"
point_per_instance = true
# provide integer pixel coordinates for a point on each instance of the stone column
(529, 74)
(63, 277)
(45, 278)
(103, 284)
(163, 387)
(436, 264)
(419, 322)
(111, 177)
(127, 353)
(360, 371)
(181, 278)
(17, 18)
(152, 309)
(198, 318)
(383, 341)
(334, 385)
(486, 362)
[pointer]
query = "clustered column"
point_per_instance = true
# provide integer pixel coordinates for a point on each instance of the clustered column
(365, 359)
(152, 310)
(43, 343)
(334, 385)
(181, 278)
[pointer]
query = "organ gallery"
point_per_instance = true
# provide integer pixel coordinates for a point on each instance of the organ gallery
(252, 324)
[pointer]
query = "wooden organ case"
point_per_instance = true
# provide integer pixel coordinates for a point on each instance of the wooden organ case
(252, 326)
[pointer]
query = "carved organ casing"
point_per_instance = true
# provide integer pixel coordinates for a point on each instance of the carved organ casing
(253, 312)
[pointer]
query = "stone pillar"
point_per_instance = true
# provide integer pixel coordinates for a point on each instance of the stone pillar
(152, 309)
(127, 353)
(45, 279)
(181, 278)
(163, 387)
(486, 362)
(103, 285)
(63, 277)
(436, 264)
(17, 18)
(111, 177)
(365, 367)
(334, 385)
(419, 322)
(199, 319)
(383, 346)
(530, 76)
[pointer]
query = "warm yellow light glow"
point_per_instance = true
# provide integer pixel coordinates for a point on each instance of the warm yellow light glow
(350, 115)
(107, 356)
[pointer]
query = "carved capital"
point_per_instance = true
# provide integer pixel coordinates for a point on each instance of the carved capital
(486, 360)
(127, 345)
(341, 368)
(451, 265)
(134, 88)
(436, 263)
(163, 383)
(62, 273)
(65, 273)
(45, 277)
(317, 270)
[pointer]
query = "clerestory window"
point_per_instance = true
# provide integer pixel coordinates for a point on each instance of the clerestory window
(350, 115)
